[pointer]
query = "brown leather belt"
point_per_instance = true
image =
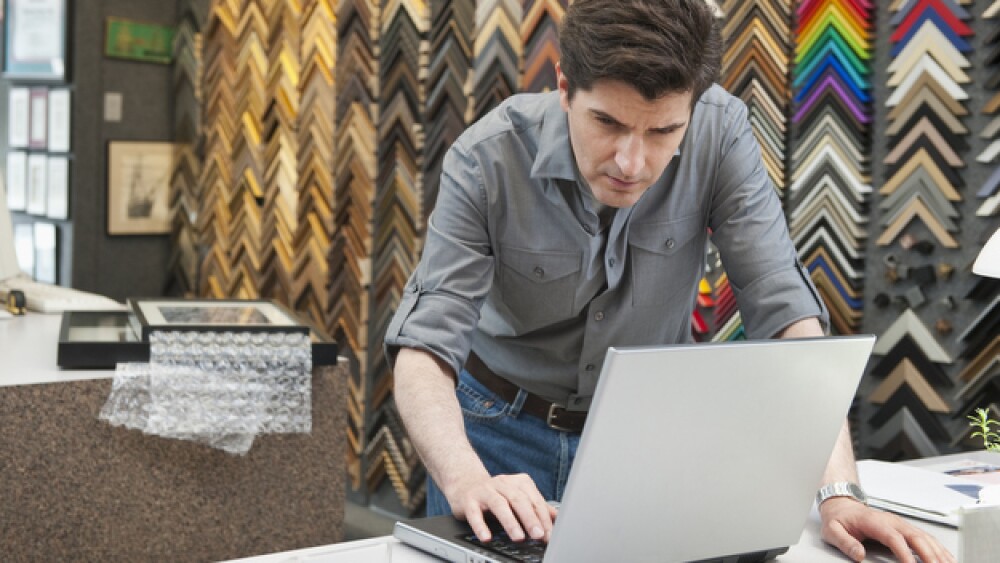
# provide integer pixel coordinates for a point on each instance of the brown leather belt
(556, 416)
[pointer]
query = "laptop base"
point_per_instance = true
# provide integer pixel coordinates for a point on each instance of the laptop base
(426, 533)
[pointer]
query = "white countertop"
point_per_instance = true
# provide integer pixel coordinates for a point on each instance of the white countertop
(28, 347)
(387, 549)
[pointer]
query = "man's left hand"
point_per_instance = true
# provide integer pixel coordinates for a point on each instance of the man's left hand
(847, 522)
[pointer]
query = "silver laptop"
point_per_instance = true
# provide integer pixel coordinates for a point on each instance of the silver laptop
(691, 452)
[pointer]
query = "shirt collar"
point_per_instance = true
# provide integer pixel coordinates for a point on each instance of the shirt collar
(554, 158)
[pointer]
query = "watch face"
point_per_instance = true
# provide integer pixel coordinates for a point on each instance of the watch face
(858, 492)
(842, 489)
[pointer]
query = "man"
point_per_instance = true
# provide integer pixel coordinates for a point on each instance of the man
(572, 221)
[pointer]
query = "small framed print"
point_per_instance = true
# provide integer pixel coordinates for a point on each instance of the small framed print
(139, 41)
(59, 120)
(18, 117)
(207, 315)
(46, 252)
(24, 246)
(38, 167)
(57, 192)
(139, 187)
(17, 180)
(38, 129)
(35, 40)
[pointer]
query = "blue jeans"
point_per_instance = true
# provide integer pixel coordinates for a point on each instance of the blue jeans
(510, 441)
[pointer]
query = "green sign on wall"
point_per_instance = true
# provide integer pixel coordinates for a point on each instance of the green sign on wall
(139, 41)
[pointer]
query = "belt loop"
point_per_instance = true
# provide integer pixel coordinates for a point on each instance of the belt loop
(515, 407)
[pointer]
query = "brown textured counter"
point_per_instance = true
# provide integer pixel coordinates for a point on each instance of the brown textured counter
(74, 488)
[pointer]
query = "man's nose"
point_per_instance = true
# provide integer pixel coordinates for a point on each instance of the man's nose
(630, 155)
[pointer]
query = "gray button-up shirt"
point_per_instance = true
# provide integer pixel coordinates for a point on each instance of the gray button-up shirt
(516, 264)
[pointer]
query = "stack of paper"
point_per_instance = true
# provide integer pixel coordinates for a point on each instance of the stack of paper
(917, 492)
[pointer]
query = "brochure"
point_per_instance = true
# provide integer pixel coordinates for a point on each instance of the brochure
(921, 492)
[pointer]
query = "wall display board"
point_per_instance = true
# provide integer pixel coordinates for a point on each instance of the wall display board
(35, 70)
(864, 112)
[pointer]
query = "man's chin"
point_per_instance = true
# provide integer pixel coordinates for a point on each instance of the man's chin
(619, 198)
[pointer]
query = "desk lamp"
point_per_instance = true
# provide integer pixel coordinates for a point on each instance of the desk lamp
(987, 264)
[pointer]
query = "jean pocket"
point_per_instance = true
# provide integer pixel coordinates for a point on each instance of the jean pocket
(480, 404)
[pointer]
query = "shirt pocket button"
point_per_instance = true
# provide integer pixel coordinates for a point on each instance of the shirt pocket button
(539, 272)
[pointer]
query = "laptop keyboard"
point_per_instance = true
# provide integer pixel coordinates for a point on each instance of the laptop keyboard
(528, 551)
(532, 551)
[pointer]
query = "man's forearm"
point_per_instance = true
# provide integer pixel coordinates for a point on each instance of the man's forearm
(425, 397)
(841, 466)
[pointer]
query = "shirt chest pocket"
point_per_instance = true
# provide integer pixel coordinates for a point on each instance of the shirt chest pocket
(667, 259)
(539, 286)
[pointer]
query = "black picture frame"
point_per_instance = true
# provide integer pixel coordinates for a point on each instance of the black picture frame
(208, 315)
(98, 340)
(103, 339)
(35, 40)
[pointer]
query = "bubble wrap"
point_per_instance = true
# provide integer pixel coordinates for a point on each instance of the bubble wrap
(216, 388)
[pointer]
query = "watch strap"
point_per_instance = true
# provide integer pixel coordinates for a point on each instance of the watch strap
(841, 489)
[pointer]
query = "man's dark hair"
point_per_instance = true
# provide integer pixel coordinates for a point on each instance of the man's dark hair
(655, 46)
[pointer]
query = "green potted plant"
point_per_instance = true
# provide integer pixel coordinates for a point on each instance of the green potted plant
(983, 424)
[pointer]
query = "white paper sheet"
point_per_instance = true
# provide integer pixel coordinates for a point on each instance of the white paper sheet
(916, 492)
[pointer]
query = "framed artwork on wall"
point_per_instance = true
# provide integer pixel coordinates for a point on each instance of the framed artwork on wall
(46, 252)
(17, 180)
(35, 40)
(139, 41)
(38, 108)
(57, 190)
(139, 187)
(18, 122)
(59, 120)
(38, 167)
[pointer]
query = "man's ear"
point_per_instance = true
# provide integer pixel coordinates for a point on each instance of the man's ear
(563, 84)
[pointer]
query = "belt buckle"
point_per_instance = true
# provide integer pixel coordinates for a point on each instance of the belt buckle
(550, 419)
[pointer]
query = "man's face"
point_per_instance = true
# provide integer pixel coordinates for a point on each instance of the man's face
(622, 141)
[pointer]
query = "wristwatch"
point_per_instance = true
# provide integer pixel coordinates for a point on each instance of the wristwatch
(841, 489)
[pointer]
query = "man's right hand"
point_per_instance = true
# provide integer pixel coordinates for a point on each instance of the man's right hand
(514, 501)
(425, 396)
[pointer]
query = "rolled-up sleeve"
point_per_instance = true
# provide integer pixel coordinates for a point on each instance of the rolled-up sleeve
(772, 288)
(440, 304)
